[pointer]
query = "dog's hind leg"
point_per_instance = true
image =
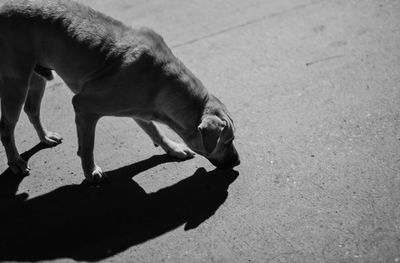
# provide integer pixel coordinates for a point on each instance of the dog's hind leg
(32, 109)
(13, 92)
(172, 148)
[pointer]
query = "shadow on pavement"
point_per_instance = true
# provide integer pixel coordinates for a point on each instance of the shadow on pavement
(9, 182)
(85, 222)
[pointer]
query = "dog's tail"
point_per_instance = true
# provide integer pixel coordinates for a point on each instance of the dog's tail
(46, 73)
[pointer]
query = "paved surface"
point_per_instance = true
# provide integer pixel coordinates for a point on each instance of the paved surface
(314, 90)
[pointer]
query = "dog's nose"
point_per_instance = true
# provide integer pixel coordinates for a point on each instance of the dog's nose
(234, 163)
(237, 162)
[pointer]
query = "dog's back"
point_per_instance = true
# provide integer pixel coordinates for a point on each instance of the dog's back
(76, 20)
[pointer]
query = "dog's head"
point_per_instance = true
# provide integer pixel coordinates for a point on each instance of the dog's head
(214, 138)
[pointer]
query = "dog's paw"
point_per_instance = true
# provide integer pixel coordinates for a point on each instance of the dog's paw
(19, 167)
(178, 150)
(96, 175)
(51, 138)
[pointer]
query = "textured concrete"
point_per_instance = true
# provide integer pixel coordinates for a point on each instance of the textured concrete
(314, 90)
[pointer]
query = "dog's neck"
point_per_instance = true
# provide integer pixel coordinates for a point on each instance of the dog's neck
(184, 115)
(184, 100)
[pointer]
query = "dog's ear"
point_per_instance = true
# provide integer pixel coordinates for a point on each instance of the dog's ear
(210, 129)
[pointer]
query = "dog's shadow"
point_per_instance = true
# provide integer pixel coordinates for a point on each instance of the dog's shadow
(90, 223)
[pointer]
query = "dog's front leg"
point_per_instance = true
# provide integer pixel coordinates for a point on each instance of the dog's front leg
(86, 126)
(172, 148)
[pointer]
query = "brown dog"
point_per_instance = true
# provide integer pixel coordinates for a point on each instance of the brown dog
(114, 70)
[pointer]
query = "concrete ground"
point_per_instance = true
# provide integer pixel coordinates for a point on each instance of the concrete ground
(314, 90)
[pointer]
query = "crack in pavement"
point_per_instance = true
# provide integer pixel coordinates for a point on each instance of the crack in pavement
(244, 24)
(323, 60)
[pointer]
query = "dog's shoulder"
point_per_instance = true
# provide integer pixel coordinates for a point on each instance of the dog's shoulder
(146, 46)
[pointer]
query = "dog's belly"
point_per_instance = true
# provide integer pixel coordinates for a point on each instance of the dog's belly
(122, 101)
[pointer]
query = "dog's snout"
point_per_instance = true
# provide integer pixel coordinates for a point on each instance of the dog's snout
(235, 162)
(226, 165)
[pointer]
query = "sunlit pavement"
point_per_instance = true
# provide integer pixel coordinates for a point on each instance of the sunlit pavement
(313, 88)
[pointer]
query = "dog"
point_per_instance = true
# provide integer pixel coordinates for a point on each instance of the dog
(113, 70)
